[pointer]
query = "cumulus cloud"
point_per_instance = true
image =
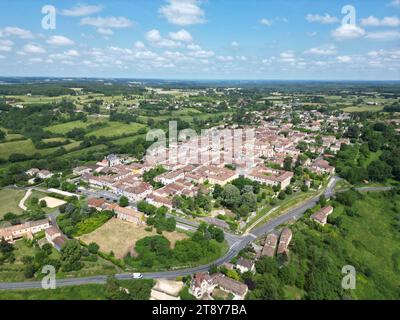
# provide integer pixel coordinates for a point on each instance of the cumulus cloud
(202, 54)
(181, 35)
(343, 59)
(6, 45)
(183, 12)
(60, 41)
(33, 48)
(107, 22)
(325, 19)
(287, 56)
(385, 22)
(225, 58)
(155, 39)
(17, 32)
(395, 3)
(348, 31)
(82, 10)
(266, 22)
(326, 50)
(105, 31)
(384, 35)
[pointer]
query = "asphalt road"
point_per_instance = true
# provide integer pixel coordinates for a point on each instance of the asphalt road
(237, 244)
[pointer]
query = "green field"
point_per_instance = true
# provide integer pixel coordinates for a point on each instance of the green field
(63, 128)
(83, 292)
(9, 199)
(116, 129)
(363, 109)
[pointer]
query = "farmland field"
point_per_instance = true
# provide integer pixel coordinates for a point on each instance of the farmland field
(120, 236)
(115, 129)
(9, 199)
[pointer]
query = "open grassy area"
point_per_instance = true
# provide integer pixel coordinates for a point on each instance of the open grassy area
(115, 129)
(9, 199)
(373, 245)
(63, 128)
(82, 292)
(363, 108)
(120, 236)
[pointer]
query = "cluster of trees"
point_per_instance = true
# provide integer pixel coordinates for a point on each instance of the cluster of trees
(201, 202)
(77, 217)
(161, 222)
(149, 176)
(155, 252)
(238, 196)
(7, 252)
(353, 160)
(128, 289)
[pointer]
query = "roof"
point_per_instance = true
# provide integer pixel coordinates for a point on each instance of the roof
(270, 245)
(229, 284)
(284, 240)
(94, 202)
(322, 214)
(52, 231)
(245, 263)
(125, 211)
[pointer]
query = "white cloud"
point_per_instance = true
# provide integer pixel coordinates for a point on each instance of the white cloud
(235, 44)
(202, 54)
(17, 32)
(107, 22)
(325, 19)
(225, 58)
(183, 12)
(155, 39)
(33, 48)
(385, 22)
(193, 46)
(348, 31)
(327, 50)
(105, 31)
(60, 41)
(384, 35)
(181, 35)
(266, 22)
(6, 45)
(287, 56)
(72, 53)
(82, 10)
(35, 60)
(343, 59)
(139, 45)
(395, 3)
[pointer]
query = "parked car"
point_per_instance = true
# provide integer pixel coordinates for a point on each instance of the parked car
(137, 275)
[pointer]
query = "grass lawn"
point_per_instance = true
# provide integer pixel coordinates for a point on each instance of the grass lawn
(373, 244)
(63, 128)
(82, 292)
(293, 293)
(9, 199)
(120, 236)
(116, 129)
(363, 108)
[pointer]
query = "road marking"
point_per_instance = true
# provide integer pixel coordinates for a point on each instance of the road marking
(252, 235)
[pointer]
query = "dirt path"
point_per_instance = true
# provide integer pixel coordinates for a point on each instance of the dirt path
(22, 202)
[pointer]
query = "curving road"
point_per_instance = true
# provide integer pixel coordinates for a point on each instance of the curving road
(237, 244)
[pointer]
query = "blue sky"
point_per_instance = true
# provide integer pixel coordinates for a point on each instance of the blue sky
(202, 39)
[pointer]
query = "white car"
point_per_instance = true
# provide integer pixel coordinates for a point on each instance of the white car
(137, 275)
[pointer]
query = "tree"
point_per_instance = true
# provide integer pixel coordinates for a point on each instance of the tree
(213, 269)
(2, 135)
(71, 254)
(287, 164)
(43, 203)
(217, 191)
(282, 195)
(379, 171)
(231, 196)
(322, 200)
(123, 201)
(93, 247)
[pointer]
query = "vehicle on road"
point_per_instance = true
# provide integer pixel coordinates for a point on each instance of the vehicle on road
(137, 275)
